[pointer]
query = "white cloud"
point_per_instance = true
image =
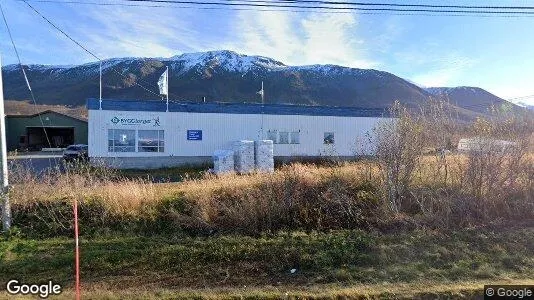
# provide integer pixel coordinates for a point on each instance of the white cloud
(139, 32)
(442, 69)
(300, 39)
(293, 38)
(515, 93)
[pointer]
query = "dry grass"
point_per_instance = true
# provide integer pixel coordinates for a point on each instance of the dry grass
(119, 195)
(296, 196)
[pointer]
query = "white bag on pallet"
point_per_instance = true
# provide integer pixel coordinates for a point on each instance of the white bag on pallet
(244, 156)
(223, 161)
(264, 155)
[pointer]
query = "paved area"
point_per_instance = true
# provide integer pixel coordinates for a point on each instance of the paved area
(37, 161)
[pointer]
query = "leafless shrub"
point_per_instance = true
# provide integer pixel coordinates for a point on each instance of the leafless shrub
(399, 146)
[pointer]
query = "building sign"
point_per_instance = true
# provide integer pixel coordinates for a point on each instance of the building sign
(194, 135)
(128, 121)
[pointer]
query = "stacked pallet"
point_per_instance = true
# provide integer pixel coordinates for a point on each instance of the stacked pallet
(264, 155)
(223, 161)
(244, 156)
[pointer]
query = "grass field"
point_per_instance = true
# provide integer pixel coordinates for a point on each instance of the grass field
(240, 236)
(347, 263)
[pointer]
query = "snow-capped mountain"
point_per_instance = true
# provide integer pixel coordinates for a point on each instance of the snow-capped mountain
(227, 76)
(227, 60)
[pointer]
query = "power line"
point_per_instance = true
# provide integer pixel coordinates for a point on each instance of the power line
(391, 4)
(387, 9)
(295, 4)
(24, 73)
(84, 48)
(327, 10)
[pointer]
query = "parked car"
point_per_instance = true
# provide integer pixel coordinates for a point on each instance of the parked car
(75, 152)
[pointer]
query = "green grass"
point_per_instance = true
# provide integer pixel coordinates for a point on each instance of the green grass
(336, 260)
(174, 174)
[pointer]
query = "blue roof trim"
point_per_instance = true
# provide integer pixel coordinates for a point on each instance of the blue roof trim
(235, 108)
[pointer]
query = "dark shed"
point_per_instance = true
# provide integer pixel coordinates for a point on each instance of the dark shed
(46, 129)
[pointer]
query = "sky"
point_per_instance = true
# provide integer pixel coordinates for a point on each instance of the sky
(496, 54)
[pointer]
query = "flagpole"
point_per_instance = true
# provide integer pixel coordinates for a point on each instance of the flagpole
(262, 103)
(167, 72)
(100, 99)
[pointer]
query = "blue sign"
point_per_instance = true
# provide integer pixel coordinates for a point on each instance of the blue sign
(194, 135)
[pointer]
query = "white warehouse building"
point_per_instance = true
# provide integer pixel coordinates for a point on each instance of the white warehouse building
(143, 134)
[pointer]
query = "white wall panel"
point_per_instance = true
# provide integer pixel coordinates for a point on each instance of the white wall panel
(220, 130)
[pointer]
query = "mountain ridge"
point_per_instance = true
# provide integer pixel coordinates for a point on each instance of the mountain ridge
(227, 76)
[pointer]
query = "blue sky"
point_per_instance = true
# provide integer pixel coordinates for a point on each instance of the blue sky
(496, 54)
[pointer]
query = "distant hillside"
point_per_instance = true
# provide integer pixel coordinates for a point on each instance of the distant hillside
(13, 107)
(226, 76)
(531, 107)
(470, 98)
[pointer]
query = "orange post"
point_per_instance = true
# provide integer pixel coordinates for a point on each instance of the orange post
(77, 249)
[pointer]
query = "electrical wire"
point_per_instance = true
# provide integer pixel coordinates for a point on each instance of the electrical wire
(387, 9)
(84, 48)
(387, 4)
(24, 73)
(326, 10)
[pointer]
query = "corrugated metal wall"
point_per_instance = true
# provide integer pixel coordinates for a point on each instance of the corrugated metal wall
(16, 126)
(220, 130)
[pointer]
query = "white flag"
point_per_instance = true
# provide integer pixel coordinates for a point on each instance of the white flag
(261, 92)
(163, 83)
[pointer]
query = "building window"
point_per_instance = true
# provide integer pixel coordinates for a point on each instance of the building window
(150, 141)
(283, 137)
(295, 137)
(273, 136)
(120, 140)
(328, 138)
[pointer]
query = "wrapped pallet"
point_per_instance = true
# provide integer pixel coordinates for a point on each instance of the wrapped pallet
(223, 161)
(244, 156)
(264, 155)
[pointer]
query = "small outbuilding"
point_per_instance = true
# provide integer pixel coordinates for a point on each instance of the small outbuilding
(44, 130)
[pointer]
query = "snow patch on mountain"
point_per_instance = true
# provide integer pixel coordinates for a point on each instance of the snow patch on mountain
(447, 90)
(224, 59)
(41, 68)
(228, 60)
(524, 105)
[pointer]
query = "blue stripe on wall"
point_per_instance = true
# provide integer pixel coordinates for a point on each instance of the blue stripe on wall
(235, 108)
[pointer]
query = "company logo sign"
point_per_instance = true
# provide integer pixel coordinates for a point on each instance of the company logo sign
(155, 122)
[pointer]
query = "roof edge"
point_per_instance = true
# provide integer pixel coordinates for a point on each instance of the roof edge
(44, 112)
(234, 108)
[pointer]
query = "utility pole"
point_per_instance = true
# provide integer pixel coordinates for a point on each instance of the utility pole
(6, 208)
